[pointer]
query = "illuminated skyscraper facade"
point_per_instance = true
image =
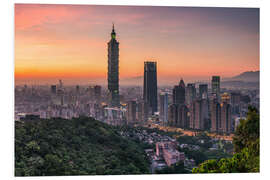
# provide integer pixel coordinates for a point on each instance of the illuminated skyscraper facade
(203, 91)
(113, 70)
(216, 86)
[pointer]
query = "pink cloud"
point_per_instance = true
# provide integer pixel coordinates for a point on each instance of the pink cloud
(35, 15)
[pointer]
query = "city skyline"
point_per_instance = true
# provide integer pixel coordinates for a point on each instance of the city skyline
(68, 42)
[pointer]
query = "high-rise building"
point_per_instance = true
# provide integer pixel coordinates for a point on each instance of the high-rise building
(216, 86)
(221, 118)
(113, 70)
(173, 115)
(215, 114)
(142, 112)
(97, 91)
(77, 89)
(203, 91)
(183, 116)
(131, 112)
(163, 99)
(60, 84)
(150, 85)
(225, 97)
(226, 117)
(190, 93)
(53, 89)
(199, 114)
(179, 93)
(178, 115)
(91, 91)
(236, 102)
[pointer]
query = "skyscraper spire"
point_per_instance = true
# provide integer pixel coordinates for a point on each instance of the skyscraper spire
(181, 83)
(113, 34)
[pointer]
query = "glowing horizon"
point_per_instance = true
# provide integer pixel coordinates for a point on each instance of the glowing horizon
(69, 42)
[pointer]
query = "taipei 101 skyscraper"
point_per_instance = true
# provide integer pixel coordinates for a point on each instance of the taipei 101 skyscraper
(113, 70)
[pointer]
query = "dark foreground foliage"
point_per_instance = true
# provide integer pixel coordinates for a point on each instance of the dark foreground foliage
(81, 146)
(247, 147)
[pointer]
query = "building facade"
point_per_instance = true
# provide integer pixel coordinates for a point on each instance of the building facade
(215, 115)
(113, 70)
(203, 91)
(216, 86)
(131, 112)
(179, 93)
(150, 85)
(163, 108)
(190, 93)
(199, 114)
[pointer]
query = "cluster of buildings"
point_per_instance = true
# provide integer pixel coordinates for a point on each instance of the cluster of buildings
(164, 154)
(146, 137)
(184, 105)
(168, 151)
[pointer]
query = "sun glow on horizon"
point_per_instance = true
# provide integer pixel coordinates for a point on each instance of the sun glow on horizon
(70, 41)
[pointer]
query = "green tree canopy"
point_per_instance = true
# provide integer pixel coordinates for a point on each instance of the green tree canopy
(247, 149)
(81, 146)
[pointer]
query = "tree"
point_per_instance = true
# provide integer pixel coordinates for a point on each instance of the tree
(246, 144)
(81, 146)
(248, 131)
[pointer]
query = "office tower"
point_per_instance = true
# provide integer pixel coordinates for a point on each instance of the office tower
(215, 114)
(235, 102)
(77, 89)
(113, 70)
(163, 99)
(53, 89)
(60, 84)
(203, 91)
(131, 112)
(91, 91)
(142, 112)
(225, 109)
(190, 93)
(182, 117)
(113, 116)
(225, 97)
(226, 117)
(150, 85)
(178, 116)
(173, 115)
(179, 93)
(216, 86)
(97, 91)
(205, 114)
(199, 114)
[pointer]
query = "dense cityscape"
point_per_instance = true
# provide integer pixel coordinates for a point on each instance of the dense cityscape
(188, 107)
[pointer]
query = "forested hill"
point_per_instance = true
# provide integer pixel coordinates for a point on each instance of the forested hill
(80, 146)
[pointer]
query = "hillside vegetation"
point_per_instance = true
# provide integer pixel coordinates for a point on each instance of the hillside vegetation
(81, 146)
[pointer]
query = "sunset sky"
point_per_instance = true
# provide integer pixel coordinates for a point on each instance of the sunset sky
(69, 42)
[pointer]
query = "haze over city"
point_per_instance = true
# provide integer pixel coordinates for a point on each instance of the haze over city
(69, 42)
(117, 90)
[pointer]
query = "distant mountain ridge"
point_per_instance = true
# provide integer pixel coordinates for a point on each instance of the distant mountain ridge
(248, 76)
(244, 77)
